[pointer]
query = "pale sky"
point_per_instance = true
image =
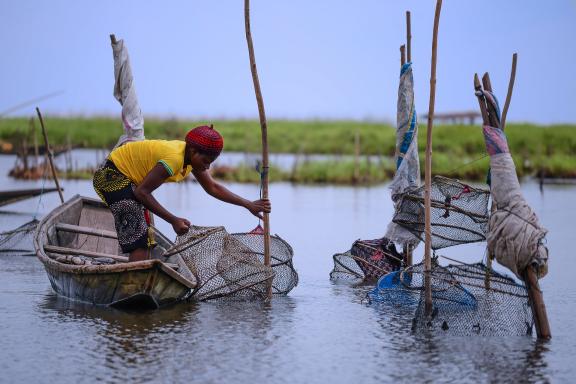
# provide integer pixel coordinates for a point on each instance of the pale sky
(317, 59)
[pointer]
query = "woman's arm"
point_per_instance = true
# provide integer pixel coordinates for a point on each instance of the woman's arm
(213, 188)
(143, 194)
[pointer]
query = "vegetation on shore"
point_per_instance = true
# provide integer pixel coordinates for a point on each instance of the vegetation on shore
(459, 150)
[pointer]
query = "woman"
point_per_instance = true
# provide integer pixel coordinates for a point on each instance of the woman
(134, 170)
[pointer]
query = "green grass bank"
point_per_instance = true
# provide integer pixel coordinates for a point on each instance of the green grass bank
(458, 149)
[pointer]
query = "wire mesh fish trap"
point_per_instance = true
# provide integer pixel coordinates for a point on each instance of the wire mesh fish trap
(366, 260)
(467, 299)
(19, 241)
(459, 213)
(281, 253)
(232, 266)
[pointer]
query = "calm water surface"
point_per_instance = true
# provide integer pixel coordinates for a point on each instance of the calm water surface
(322, 332)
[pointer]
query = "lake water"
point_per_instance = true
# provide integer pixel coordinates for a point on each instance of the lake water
(322, 332)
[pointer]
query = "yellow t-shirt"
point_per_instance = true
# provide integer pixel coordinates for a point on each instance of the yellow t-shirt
(135, 159)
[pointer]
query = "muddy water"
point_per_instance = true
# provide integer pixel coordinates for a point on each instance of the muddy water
(322, 332)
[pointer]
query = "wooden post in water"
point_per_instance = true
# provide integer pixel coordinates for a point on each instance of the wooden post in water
(537, 303)
(50, 155)
(428, 169)
(264, 129)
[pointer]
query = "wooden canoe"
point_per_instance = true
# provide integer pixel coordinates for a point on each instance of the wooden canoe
(9, 197)
(72, 239)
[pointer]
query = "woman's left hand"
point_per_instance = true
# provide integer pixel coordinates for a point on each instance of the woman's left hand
(258, 206)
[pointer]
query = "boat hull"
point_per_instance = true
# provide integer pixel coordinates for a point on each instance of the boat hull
(145, 288)
(147, 284)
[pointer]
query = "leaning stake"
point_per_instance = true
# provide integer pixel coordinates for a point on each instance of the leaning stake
(264, 129)
(509, 93)
(50, 155)
(428, 169)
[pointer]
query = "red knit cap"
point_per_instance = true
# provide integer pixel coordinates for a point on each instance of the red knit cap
(206, 140)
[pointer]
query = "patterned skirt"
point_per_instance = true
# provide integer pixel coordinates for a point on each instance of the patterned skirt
(131, 219)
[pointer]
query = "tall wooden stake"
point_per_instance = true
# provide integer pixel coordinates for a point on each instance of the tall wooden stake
(408, 38)
(264, 129)
(407, 247)
(50, 155)
(537, 304)
(428, 169)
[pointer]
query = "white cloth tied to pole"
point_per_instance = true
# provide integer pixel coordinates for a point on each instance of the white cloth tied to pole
(407, 175)
(515, 235)
(125, 93)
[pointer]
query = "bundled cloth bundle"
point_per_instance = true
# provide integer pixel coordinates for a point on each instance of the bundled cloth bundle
(515, 235)
(125, 93)
(407, 177)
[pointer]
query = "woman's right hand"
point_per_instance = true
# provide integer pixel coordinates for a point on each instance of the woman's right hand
(180, 225)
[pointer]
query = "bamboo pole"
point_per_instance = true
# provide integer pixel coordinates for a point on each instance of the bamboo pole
(402, 55)
(264, 129)
(35, 139)
(428, 169)
(408, 38)
(24, 153)
(502, 126)
(114, 41)
(509, 93)
(486, 120)
(50, 155)
(407, 247)
(493, 121)
(356, 156)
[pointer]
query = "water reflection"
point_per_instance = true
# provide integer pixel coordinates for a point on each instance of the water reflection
(134, 323)
(438, 357)
(178, 343)
(471, 359)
